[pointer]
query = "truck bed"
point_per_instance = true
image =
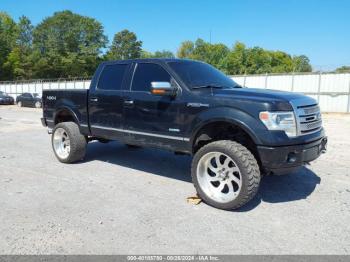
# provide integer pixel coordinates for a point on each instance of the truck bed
(57, 100)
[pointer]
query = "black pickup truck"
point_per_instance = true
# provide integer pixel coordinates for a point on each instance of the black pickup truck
(235, 134)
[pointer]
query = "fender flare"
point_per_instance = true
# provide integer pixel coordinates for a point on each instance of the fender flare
(65, 108)
(230, 115)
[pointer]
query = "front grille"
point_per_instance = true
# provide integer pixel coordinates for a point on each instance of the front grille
(308, 118)
(311, 110)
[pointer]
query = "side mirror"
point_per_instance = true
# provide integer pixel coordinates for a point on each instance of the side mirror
(163, 89)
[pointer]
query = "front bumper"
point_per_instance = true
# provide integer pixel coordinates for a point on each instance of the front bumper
(285, 159)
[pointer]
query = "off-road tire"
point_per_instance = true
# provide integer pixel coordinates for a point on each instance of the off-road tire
(247, 164)
(77, 142)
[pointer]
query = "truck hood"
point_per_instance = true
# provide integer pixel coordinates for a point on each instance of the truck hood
(258, 94)
(273, 100)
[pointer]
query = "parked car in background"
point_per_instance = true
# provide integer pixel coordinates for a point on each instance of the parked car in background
(5, 99)
(29, 99)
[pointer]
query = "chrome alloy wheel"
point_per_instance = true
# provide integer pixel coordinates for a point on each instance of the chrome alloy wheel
(219, 177)
(61, 143)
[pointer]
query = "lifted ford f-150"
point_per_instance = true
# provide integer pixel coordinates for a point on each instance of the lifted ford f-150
(235, 134)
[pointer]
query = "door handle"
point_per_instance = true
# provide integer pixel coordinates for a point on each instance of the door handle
(129, 102)
(94, 99)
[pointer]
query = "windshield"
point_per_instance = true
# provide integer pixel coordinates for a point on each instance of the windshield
(36, 95)
(199, 74)
(3, 93)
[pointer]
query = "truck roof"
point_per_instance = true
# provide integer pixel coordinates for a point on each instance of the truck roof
(150, 60)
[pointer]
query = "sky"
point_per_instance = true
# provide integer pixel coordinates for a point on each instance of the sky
(319, 29)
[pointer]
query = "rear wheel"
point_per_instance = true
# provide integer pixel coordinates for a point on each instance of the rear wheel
(37, 104)
(68, 144)
(225, 174)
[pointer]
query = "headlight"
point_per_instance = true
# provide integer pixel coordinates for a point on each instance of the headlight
(284, 121)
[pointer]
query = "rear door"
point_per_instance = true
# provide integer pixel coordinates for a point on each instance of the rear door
(106, 101)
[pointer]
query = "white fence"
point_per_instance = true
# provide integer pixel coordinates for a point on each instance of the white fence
(15, 88)
(332, 91)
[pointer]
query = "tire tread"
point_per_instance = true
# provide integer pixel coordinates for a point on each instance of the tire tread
(247, 160)
(77, 142)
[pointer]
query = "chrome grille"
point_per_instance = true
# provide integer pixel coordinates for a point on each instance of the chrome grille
(308, 116)
(305, 128)
(309, 119)
(311, 110)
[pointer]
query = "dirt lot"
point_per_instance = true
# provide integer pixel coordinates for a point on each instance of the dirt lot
(118, 201)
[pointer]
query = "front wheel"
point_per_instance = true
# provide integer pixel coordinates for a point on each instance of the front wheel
(68, 143)
(225, 174)
(19, 103)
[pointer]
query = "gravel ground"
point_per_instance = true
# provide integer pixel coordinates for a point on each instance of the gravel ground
(133, 201)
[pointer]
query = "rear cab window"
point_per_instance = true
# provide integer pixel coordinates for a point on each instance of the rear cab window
(112, 76)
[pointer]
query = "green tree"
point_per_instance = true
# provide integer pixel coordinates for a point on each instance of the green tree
(217, 54)
(67, 45)
(281, 62)
(301, 64)
(125, 46)
(256, 60)
(8, 31)
(185, 50)
(146, 54)
(235, 61)
(343, 69)
(163, 54)
(201, 50)
(24, 37)
(19, 60)
(214, 54)
(157, 54)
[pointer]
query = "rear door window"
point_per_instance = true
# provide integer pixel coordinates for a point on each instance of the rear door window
(112, 76)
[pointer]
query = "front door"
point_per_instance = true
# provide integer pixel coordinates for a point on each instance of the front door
(152, 119)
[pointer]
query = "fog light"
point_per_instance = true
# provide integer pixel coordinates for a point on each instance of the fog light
(291, 158)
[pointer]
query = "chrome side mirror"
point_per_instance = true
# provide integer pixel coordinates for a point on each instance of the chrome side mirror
(163, 89)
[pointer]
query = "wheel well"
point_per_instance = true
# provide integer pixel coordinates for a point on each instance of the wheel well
(222, 130)
(64, 116)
